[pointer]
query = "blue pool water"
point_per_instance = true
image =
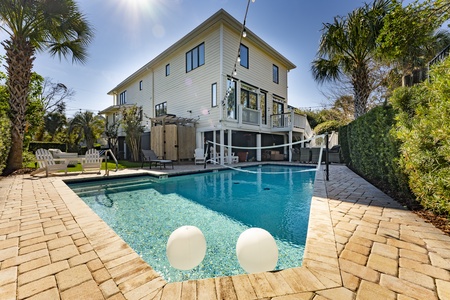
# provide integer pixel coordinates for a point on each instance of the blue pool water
(145, 210)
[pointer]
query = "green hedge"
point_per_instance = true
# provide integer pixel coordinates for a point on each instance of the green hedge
(46, 145)
(370, 148)
(5, 141)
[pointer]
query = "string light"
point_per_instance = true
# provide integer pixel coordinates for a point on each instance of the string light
(238, 59)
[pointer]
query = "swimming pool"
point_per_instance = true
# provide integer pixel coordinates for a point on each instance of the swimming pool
(144, 211)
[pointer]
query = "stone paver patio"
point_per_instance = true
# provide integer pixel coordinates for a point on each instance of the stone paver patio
(361, 245)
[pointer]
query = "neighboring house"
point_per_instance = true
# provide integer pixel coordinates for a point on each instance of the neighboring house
(235, 102)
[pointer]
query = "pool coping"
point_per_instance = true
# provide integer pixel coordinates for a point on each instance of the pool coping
(136, 279)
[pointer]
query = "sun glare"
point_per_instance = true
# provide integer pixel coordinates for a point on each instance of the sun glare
(138, 15)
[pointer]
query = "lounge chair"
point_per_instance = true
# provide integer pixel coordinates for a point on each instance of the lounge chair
(334, 154)
(48, 163)
(305, 155)
(92, 161)
(199, 156)
(233, 159)
(315, 153)
(150, 157)
(57, 153)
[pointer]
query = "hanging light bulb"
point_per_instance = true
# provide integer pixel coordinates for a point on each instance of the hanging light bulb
(239, 58)
(253, 1)
(234, 73)
(244, 33)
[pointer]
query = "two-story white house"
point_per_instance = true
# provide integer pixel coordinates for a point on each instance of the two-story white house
(234, 87)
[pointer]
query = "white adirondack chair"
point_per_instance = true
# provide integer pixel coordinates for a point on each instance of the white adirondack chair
(92, 161)
(199, 156)
(49, 164)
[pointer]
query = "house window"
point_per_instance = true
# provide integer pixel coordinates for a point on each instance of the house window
(231, 99)
(195, 58)
(140, 85)
(243, 55)
(141, 114)
(262, 106)
(275, 74)
(249, 97)
(161, 109)
(123, 97)
(167, 69)
(214, 95)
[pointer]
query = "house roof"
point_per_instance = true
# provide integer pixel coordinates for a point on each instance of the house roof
(220, 16)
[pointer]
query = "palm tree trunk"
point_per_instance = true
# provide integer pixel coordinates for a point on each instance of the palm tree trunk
(361, 89)
(19, 60)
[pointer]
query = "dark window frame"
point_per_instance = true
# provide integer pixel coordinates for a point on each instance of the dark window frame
(275, 74)
(123, 98)
(244, 56)
(195, 57)
(214, 94)
(161, 109)
(140, 85)
(167, 69)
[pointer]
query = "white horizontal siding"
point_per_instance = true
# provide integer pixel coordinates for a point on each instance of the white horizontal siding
(190, 91)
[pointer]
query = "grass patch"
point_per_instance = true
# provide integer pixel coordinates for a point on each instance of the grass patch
(122, 164)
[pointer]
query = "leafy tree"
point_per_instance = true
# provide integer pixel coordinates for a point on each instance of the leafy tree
(347, 51)
(131, 123)
(36, 25)
(54, 124)
(410, 37)
(53, 98)
(112, 134)
(88, 127)
(5, 138)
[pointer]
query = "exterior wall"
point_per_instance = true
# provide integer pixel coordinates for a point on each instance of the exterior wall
(188, 95)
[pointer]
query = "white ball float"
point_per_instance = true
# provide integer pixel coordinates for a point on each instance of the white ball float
(256, 250)
(186, 248)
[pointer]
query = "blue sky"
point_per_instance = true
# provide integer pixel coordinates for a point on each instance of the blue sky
(130, 33)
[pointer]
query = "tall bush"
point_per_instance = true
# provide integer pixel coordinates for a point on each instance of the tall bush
(369, 147)
(5, 140)
(423, 115)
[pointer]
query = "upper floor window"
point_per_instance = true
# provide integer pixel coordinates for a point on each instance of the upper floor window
(140, 85)
(161, 109)
(275, 74)
(123, 97)
(214, 95)
(195, 58)
(231, 99)
(243, 56)
(167, 69)
(249, 96)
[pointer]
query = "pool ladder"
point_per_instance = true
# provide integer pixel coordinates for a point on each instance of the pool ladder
(106, 161)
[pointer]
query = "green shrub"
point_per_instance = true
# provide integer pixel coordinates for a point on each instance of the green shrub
(327, 126)
(423, 115)
(5, 141)
(369, 148)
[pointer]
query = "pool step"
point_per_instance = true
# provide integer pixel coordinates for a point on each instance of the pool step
(111, 187)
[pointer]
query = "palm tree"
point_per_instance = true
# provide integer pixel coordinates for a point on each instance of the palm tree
(88, 126)
(347, 50)
(36, 25)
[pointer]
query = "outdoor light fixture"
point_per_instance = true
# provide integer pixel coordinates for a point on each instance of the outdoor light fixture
(244, 33)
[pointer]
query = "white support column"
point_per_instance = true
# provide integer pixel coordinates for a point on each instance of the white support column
(258, 144)
(222, 142)
(230, 143)
(199, 141)
(213, 154)
(290, 146)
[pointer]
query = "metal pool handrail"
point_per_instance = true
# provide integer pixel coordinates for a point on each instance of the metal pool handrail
(106, 161)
